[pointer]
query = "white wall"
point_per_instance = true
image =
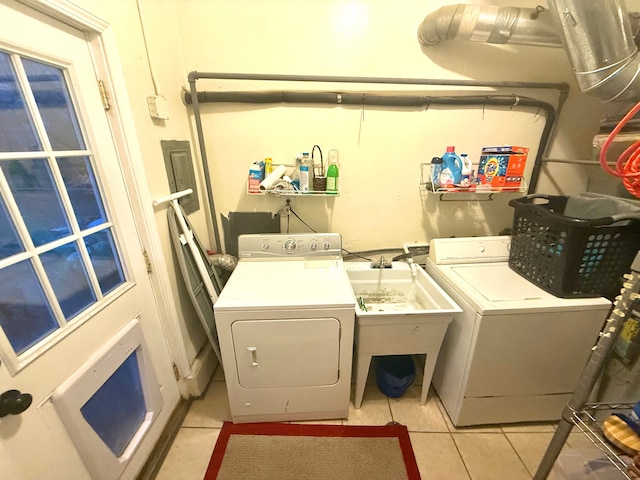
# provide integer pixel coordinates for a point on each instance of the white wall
(380, 149)
(380, 204)
(166, 59)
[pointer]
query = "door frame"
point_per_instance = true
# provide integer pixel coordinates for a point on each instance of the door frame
(102, 43)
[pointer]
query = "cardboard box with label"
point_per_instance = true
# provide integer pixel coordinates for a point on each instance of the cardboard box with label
(502, 166)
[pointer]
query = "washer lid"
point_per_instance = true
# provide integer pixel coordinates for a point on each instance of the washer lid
(495, 287)
(498, 283)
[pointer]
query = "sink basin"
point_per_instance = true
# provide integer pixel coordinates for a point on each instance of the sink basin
(400, 311)
(389, 294)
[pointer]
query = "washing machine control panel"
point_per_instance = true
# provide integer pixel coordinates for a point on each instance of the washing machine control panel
(447, 251)
(277, 245)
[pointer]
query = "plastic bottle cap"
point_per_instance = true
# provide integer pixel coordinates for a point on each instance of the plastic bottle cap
(436, 160)
(451, 149)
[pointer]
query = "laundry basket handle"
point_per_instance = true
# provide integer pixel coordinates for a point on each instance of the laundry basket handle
(527, 202)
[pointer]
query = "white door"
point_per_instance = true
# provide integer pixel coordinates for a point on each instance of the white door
(73, 279)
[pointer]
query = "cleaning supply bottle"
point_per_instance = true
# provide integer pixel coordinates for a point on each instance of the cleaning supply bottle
(434, 174)
(451, 168)
(268, 167)
(332, 172)
(305, 173)
(467, 170)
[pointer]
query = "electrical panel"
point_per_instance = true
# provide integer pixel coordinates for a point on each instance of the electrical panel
(179, 166)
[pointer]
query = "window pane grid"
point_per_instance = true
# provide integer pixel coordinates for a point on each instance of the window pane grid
(30, 102)
(74, 256)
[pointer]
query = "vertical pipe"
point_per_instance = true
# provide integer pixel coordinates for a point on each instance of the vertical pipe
(205, 162)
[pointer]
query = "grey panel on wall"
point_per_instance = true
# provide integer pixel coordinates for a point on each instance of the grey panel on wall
(179, 167)
(239, 223)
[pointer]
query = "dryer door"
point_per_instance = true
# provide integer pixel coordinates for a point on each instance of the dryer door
(287, 353)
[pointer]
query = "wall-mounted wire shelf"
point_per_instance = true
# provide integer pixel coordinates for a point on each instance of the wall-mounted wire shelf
(470, 192)
(282, 188)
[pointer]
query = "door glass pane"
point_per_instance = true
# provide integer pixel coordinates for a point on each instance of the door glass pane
(68, 278)
(37, 198)
(116, 411)
(17, 133)
(78, 177)
(52, 97)
(10, 243)
(104, 258)
(25, 315)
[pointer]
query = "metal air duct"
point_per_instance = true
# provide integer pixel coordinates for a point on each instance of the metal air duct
(490, 24)
(597, 35)
(600, 45)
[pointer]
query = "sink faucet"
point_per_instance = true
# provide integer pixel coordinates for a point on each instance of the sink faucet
(381, 263)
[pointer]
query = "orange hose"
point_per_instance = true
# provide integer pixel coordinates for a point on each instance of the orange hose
(628, 163)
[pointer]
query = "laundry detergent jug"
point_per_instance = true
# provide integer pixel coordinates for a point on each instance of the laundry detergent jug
(451, 168)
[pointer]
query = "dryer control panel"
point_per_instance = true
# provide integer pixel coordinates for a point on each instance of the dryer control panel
(278, 245)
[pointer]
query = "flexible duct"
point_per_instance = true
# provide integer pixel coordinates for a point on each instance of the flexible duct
(597, 36)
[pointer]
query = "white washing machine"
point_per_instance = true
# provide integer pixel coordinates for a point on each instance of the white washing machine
(285, 322)
(515, 352)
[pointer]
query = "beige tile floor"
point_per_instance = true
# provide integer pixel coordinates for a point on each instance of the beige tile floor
(443, 452)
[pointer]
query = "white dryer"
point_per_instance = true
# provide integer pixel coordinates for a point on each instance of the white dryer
(285, 322)
(515, 352)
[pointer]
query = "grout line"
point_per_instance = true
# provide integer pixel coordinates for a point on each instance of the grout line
(460, 455)
(391, 411)
(518, 455)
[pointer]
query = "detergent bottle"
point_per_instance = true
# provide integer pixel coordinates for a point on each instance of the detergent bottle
(467, 171)
(451, 168)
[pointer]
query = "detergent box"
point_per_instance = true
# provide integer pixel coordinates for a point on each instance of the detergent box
(502, 166)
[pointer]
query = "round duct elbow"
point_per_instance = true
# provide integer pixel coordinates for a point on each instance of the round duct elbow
(439, 25)
(615, 83)
(598, 39)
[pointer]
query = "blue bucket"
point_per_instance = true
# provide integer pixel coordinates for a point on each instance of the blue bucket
(394, 374)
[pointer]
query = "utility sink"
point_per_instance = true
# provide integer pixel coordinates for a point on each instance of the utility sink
(401, 310)
(393, 294)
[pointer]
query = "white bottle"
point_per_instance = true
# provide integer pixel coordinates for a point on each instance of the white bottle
(304, 173)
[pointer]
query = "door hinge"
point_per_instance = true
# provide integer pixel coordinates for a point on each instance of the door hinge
(176, 373)
(104, 96)
(147, 261)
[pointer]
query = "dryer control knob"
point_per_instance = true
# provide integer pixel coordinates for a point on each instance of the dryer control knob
(313, 246)
(265, 246)
(481, 249)
(326, 245)
(289, 246)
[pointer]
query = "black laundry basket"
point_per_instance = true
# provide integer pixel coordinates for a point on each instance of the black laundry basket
(574, 247)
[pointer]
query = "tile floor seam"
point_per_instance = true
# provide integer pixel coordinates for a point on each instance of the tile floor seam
(391, 412)
(518, 454)
(460, 455)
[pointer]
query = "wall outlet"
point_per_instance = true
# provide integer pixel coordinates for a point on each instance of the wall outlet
(158, 107)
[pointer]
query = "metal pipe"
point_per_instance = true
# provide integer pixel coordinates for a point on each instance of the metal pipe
(333, 98)
(205, 163)
(193, 97)
(598, 36)
(193, 76)
(599, 42)
(490, 24)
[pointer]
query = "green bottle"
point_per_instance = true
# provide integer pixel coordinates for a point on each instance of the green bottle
(332, 173)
